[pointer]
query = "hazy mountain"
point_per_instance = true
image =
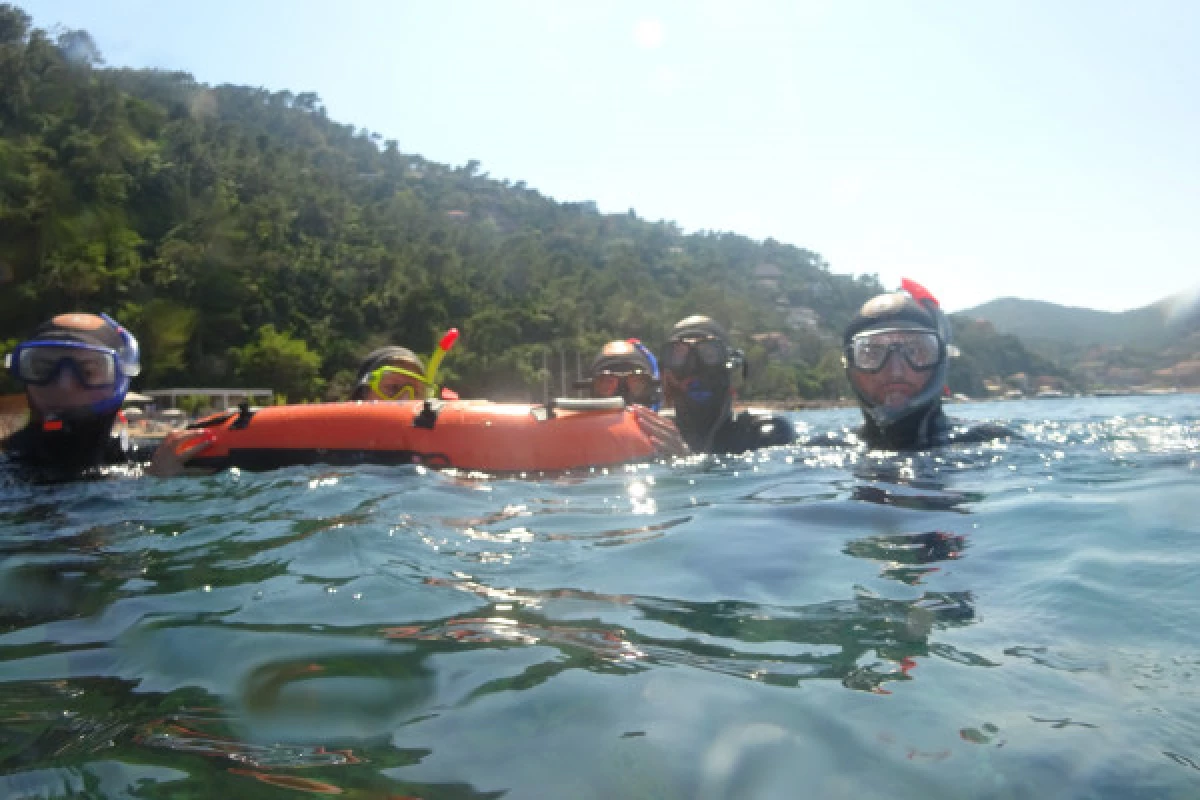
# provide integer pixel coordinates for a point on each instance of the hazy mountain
(1152, 326)
(1158, 345)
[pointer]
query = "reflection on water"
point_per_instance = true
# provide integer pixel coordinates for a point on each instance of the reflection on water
(904, 555)
(965, 623)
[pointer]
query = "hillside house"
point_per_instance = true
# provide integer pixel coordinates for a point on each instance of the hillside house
(768, 276)
(775, 343)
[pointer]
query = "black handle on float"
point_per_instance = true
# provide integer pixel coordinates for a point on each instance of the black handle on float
(428, 416)
(243, 418)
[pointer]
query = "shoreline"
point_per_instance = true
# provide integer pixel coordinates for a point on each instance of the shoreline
(13, 412)
(828, 405)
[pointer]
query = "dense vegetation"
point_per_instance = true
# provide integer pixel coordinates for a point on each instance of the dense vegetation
(247, 239)
(986, 354)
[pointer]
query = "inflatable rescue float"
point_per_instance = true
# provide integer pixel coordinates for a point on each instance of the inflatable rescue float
(468, 434)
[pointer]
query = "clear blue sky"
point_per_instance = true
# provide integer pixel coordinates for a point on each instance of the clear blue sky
(1040, 149)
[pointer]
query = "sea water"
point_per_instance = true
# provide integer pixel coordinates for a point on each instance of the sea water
(1011, 620)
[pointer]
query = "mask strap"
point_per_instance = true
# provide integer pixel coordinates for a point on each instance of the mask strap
(654, 373)
(129, 365)
(130, 353)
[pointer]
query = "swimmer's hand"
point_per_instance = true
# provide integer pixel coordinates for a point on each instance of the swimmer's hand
(662, 432)
(176, 448)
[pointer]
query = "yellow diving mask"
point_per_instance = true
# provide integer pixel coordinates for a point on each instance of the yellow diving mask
(398, 383)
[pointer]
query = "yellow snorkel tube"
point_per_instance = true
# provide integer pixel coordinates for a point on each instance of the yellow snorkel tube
(435, 360)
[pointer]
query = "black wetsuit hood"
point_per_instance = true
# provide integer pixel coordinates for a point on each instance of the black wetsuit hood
(920, 423)
(700, 414)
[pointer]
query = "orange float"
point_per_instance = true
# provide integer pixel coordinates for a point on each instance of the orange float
(468, 434)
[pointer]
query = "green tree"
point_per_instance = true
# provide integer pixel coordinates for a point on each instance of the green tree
(279, 362)
(164, 329)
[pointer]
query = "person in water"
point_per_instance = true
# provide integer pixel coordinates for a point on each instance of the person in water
(392, 373)
(626, 369)
(699, 368)
(76, 369)
(896, 354)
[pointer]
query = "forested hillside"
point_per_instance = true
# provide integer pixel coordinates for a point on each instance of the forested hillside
(250, 240)
(991, 356)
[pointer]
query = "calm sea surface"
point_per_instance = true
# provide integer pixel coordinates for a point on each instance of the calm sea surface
(1007, 621)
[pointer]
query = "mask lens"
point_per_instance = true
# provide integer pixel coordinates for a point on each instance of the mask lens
(396, 389)
(93, 368)
(868, 355)
(396, 383)
(638, 383)
(39, 365)
(677, 355)
(605, 385)
(710, 351)
(921, 349)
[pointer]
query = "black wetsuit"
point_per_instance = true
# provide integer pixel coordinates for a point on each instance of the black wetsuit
(920, 432)
(69, 453)
(749, 431)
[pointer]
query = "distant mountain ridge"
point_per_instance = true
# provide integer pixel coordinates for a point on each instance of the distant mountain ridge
(1155, 346)
(1151, 326)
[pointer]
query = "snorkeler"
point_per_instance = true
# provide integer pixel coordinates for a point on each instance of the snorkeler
(625, 369)
(896, 352)
(397, 373)
(391, 373)
(76, 369)
(699, 367)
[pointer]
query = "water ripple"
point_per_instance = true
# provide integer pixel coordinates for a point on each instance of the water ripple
(1013, 619)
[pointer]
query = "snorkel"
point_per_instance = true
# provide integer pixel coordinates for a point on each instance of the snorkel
(435, 361)
(930, 303)
(912, 308)
(129, 366)
(654, 373)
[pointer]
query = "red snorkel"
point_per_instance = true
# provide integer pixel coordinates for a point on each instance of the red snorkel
(918, 292)
(925, 297)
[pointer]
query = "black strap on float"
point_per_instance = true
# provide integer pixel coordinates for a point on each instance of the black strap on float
(245, 414)
(428, 415)
(211, 421)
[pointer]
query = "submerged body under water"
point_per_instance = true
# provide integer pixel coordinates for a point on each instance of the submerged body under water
(1008, 620)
